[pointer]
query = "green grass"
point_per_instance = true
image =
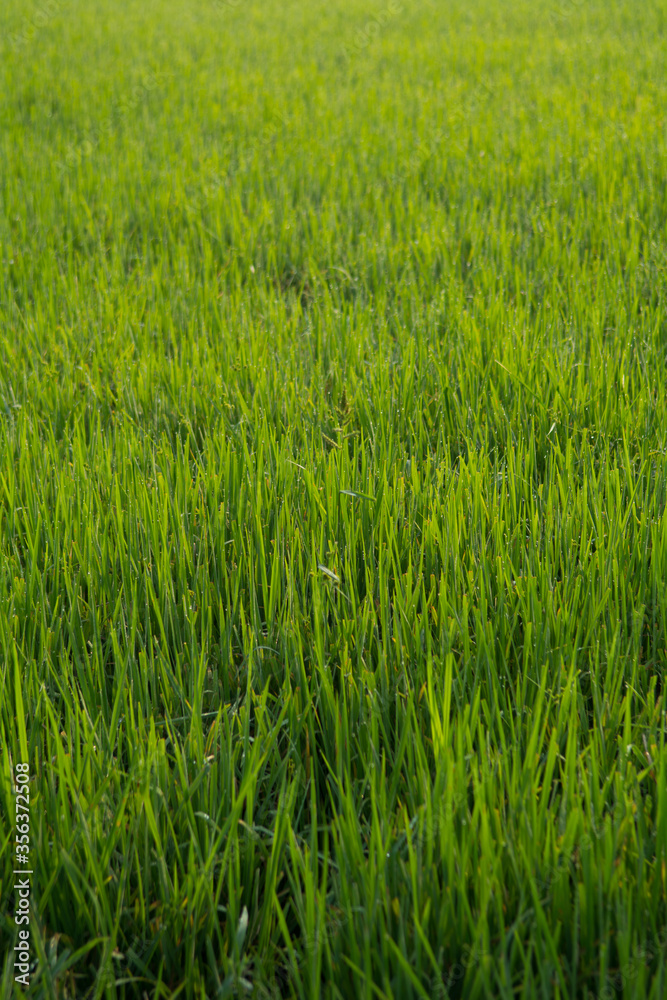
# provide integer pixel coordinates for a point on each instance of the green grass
(333, 534)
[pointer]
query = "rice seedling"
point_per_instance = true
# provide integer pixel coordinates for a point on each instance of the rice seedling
(333, 535)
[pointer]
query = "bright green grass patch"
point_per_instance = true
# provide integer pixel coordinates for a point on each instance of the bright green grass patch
(333, 531)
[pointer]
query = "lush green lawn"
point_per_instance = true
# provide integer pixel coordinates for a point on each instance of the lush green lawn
(333, 533)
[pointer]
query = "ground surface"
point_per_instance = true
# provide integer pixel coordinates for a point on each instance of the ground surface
(333, 544)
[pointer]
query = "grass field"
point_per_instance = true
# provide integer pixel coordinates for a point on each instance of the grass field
(333, 529)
